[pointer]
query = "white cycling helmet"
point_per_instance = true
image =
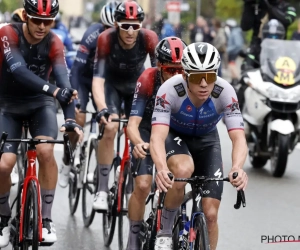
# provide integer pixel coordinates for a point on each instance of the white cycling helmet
(107, 13)
(200, 57)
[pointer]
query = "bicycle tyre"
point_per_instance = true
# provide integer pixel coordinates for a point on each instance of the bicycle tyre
(176, 231)
(74, 192)
(30, 219)
(122, 213)
(202, 240)
(88, 217)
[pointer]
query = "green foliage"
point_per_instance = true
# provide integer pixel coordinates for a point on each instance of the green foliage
(10, 5)
(292, 28)
(229, 9)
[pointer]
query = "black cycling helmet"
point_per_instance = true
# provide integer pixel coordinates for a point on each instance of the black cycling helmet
(169, 50)
(42, 8)
(273, 29)
(130, 11)
(17, 16)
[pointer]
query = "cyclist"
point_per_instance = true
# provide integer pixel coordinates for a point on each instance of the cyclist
(17, 16)
(119, 61)
(82, 72)
(187, 110)
(168, 53)
(29, 51)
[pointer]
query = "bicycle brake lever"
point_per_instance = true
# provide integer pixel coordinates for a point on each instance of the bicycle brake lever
(3, 140)
(68, 149)
(240, 196)
(101, 131)
(162, 195)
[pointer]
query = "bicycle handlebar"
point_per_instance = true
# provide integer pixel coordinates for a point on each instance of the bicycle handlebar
(102, 126)
(33, 141)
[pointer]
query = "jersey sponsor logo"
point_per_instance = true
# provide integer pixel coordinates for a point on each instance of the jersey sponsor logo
(185, 114)
(92, 37)
(38, 70)
(170, 152)
(161, 101)
(180, 89)
(45, 88)
(189, 108)
(7, 50)
(83, 49)
(166, 49)
(218, 174)
(15, 66)
(134, 112)
(178, 140)
(137, 89)
(217, 91)
(161, 110)
(234, 105)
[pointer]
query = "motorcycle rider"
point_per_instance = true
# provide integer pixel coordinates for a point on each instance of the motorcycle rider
(273, 30)
(255, 14)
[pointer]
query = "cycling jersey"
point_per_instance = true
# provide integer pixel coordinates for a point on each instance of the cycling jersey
(144, 96)
(174, 108)
(84, 61)
(65, 38)
(25, 69)
(120, 65)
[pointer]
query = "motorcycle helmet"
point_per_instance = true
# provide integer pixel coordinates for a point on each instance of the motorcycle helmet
(129, 11)
(41, 8)
(200, 57)
(169, 50)
(17, 15)
(107, 13)
(273, 29)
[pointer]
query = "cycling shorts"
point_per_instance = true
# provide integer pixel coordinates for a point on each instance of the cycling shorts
(42, 122)
(206, 153)
(85, 88)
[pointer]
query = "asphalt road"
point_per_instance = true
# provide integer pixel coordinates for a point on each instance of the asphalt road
(272, 210)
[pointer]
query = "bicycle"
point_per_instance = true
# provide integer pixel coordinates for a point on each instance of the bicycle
(26, 226)
(196, 236)
(118, 190)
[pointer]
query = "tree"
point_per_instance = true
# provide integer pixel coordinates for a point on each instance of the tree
(10, 5)
(229, 9)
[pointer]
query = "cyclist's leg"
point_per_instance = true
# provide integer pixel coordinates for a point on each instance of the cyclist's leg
(208, 162)
(141, 190)
(43, 125)
(106, 146)
(181, 165)
(11, 124)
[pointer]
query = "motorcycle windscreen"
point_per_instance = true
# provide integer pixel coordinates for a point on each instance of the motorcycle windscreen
(280, 61)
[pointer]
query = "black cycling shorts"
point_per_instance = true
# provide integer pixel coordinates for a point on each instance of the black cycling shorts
(42, 122)
(206, 153)
(85, 88)
(115, 94)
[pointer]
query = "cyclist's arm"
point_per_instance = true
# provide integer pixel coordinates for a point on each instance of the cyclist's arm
(133, 130)
(239, 148)
(286, 16)
(60, 72)
(68, 43)
(151, 40)
(13, 57)
(102, 51)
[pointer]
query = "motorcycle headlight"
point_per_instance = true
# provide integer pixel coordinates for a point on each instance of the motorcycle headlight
(283, 95)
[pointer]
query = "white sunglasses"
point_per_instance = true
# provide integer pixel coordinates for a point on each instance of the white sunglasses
(127, 26)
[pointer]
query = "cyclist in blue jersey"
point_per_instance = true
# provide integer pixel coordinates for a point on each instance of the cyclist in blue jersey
(59, 25)
(187, 110)
(168, 54)
(81, 76)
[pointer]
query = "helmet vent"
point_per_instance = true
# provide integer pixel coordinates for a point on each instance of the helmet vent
(131, 10)
(177, 51)
(201, 58)
(191, 57)
(212, 57)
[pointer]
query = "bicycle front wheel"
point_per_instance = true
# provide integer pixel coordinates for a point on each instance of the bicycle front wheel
(89, 188)
(201, 240)
(30, 219)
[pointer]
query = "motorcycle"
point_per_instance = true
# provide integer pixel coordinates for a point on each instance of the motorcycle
(272, 105)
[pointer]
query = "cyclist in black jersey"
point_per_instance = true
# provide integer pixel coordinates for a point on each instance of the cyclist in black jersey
(168, 53)
(119, 61)
(28, 54)
(81, 76)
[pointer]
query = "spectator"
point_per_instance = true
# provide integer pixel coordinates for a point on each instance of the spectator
(158, 25)
(219, 41)
(178, 28)
(201, 31)
(167, 30)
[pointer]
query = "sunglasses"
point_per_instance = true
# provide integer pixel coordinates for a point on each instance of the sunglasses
(38, 20)
(196, 78)
(172, 70)
(127, 26)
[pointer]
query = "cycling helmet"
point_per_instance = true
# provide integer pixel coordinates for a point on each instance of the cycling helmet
(107, 13)
(58, 18)
(169, 50)
(200, 57)
(43, 8)
(273, 29)
(130, 11)
(17, 15)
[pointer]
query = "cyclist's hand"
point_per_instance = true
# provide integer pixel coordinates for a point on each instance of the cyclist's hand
(139, 151)
(65, 95)
(240, 182)
(72, 126)
(103, 116)
(163, 181)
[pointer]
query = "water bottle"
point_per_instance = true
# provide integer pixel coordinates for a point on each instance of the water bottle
(155, 201)
(117, 173)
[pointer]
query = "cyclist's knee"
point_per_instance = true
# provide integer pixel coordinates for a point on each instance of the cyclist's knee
(7, 163)
(210, 209)
(181, 166)
(44, 152)
(142, 188)
(110, 131)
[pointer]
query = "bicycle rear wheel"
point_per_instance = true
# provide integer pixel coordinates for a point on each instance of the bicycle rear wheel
(89, 188)
(202, 240)
(30, 220)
